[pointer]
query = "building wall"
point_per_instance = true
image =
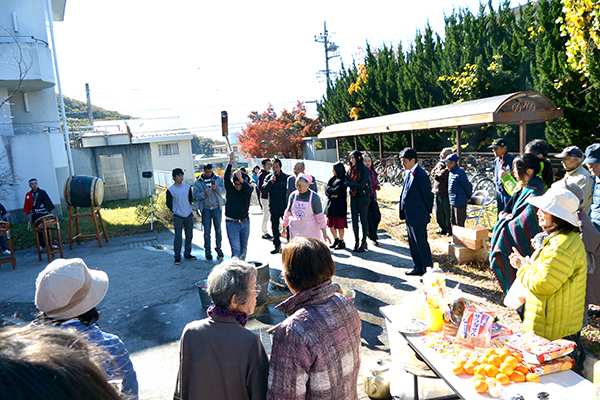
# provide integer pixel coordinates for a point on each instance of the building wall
(31, 144)
(184, 160)
(136, 159)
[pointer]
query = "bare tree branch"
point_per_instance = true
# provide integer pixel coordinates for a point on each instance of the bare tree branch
(21, 62)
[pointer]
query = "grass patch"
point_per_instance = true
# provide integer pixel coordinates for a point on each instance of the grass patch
(121, 218)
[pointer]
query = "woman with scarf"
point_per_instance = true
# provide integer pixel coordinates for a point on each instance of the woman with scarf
(517, 224)
(316, 350)
(219, 358)
(358, 181)
(373, 214)
(555, 275)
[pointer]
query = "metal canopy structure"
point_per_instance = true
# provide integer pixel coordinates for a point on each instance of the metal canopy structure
(520, 108)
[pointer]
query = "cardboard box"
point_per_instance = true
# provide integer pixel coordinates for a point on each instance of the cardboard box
(471, 236)
(464, 255)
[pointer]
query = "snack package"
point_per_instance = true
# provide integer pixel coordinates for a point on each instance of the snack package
(550, 367)
(537, 350)
(500, 330)
(475, 330)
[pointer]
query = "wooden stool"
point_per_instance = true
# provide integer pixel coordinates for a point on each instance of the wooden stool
(46, 225)
(5, 231)
(75, 215)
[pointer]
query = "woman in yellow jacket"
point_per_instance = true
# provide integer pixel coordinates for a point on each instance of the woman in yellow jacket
(555, 275)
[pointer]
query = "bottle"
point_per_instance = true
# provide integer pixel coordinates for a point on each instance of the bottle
(434, 284)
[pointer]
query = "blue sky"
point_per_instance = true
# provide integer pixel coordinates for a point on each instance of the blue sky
(192, 59)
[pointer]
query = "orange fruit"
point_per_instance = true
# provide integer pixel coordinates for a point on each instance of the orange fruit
(461, 363)
(490, 351)
(506, 368)
(491, 370)
(504, 352)
(518, 356)
(495, 360)
(531, 377)
(522, 369)
(503, 378)
(457, 369)
(517, 377)
(468, 368)
(479, 370)
(512, 360)
(481, 359)
(480, 385)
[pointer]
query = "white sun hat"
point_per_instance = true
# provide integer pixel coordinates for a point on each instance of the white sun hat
(559, 202)
(67, 288)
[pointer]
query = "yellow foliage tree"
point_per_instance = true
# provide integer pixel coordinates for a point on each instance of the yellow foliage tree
(581, 26)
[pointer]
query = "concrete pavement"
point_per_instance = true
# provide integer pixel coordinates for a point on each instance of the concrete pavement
(150, 299)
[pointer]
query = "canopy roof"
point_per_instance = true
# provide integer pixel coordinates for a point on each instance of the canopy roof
(507, 109)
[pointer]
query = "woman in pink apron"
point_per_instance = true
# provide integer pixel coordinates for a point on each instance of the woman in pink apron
(304, 215)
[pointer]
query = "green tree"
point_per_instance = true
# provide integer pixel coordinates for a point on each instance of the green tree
(203, 145)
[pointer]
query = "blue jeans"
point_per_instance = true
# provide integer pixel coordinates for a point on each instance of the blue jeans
(182, 224)
(238, 234)
(215, 216)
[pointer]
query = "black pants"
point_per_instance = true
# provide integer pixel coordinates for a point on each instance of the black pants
(360, 206)
(420, 251)
(35, 217)
(459, 215)
(374, 218)
(275, 217)
(579, 353)
(442, 213)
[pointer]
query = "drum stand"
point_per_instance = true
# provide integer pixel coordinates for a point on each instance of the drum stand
(5, 231)
(75, 215)
(45, 225)
(152, 214)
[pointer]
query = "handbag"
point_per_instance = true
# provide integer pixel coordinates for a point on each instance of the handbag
(516, 296)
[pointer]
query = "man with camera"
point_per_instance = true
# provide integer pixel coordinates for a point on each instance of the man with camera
(209, 189)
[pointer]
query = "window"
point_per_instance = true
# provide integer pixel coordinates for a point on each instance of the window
(169, 149)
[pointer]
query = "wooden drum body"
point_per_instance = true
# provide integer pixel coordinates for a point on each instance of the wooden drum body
(84, 191)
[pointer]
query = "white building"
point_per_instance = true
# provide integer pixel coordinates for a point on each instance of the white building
(170, 143)
(31, 143)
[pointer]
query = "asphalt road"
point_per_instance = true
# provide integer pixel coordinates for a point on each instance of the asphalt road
(150, 299)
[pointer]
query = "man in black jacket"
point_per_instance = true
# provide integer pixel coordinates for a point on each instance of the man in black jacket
(275, 185)
(237, 220)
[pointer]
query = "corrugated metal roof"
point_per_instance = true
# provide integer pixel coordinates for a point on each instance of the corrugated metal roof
(507, 109)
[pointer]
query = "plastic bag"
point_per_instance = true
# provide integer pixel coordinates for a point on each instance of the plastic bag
(475, 330)
(516, 295)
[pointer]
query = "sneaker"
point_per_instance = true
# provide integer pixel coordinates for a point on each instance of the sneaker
(208, 256)
(177, 262)
(7, 252)
(191, 258)
(220, 255)
(267, 236)
(276, 250)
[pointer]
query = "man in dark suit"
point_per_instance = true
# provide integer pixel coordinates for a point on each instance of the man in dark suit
(416, 204)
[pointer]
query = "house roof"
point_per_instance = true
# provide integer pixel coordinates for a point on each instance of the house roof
(58, 9)
(146, 130)
(508, 109)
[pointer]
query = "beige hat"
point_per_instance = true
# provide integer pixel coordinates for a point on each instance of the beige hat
(67, 288)
(559, 202)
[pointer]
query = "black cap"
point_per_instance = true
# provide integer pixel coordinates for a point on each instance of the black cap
(592, 154)
(496, 143)
(571, 151)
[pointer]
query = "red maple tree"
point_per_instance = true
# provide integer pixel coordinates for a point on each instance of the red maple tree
(269, 135)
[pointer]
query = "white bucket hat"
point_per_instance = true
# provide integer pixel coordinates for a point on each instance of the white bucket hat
(559, 202)
(67, 288)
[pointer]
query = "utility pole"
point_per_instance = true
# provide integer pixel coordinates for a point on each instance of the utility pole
(329, 48)
(89, 104)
